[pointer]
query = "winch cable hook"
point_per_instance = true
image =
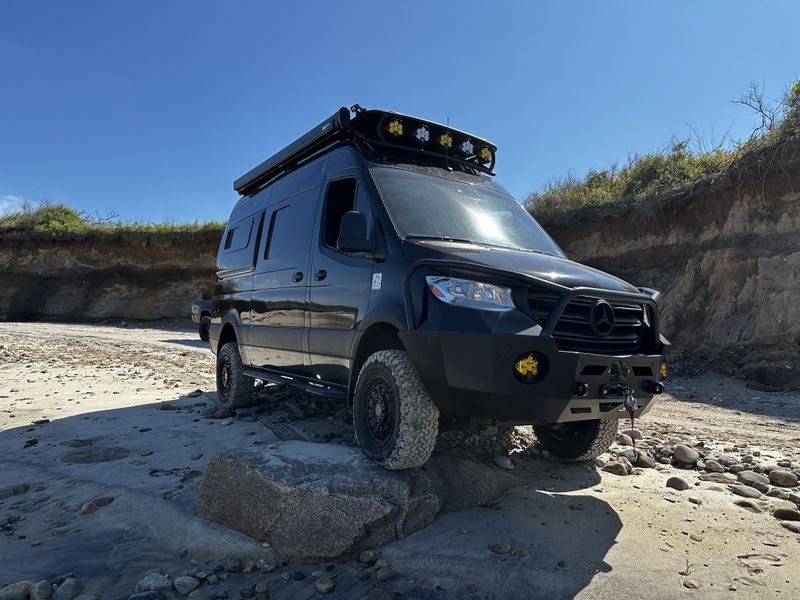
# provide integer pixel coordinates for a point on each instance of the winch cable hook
(630, 406)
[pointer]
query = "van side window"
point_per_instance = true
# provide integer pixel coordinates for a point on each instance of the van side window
(238, 237)
(287, 236)
(339, 199)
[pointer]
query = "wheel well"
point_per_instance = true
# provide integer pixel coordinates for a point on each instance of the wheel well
(205, 314)
(380, 336)
(228, 334)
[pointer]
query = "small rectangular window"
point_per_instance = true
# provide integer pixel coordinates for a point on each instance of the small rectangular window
(238, 236)
(229, 238)
(339, 199)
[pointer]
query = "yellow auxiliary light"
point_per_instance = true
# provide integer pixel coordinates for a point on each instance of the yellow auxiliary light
(485, 154)
(446, 140)
(663, 370)
(530, 367)
(395, 127)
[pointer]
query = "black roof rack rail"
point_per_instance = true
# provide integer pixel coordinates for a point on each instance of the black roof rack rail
(383, 128)
(329, 129)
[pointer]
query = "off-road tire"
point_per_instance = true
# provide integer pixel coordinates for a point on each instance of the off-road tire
(580, 440)
(205, 323)
(412, 419)
(235, 390)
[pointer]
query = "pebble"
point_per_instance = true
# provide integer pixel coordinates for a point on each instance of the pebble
(782, 478)
(634, 434)
(624, 439)
(153, 581)
(503, 461)
(103, 500)
(685, 455)
(786, 514)
(793, 527)
(88, 507)
(678, 483)
(748, 505)
(368, 556)
(19, 489)
(745, 491)
(519, 552)
(753, 479)
(645, 461)
(185, 585)
(615, 468)
(695, 500)
(324, 585)
(233, 565)
(70, 588)
(691, 584)
(714, 466)
(385, 574)
(499, 548)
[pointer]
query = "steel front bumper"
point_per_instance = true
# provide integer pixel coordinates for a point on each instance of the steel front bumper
(472, 375)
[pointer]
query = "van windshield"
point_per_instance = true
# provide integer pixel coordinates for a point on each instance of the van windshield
(426, 203)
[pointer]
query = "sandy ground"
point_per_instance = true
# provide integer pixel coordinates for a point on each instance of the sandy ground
(587, 533)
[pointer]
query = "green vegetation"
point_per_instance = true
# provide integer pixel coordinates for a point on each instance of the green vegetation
(675, 167)
(60, 217)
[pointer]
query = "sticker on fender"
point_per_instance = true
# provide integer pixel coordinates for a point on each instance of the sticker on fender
(376, 280)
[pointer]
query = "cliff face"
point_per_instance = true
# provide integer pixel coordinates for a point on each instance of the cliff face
(98, 275)
(726, 255)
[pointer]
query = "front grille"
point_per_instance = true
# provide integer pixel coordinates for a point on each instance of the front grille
(573, 331)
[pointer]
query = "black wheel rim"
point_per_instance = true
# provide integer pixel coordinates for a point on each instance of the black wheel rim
(225, 377)
(380, 410)
(566, 432)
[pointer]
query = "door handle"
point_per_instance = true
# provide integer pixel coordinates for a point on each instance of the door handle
(297, 276)
(320, 274)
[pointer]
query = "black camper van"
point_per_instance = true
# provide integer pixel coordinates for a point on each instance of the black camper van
(376, 259)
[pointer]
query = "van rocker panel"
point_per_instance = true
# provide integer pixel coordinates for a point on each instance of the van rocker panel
(472, 375)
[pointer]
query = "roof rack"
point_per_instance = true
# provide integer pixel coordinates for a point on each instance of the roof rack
(378, 127)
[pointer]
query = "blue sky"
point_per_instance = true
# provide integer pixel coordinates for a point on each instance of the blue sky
(152, 108)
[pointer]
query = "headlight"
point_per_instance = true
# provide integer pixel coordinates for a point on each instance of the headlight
(471, 294)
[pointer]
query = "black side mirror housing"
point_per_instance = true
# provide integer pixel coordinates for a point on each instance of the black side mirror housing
(353, 233)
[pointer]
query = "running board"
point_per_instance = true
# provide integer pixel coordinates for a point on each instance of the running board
(307, 385)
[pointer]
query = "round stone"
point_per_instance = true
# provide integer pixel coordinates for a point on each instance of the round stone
(685, 455)
(324, 585)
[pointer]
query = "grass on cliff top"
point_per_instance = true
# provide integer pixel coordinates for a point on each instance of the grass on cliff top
(60, 217)
(677, 166)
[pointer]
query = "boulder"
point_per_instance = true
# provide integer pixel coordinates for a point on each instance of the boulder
(755, 480)
(16, 591)
(685, 455)
(783, 478)
(318, 502)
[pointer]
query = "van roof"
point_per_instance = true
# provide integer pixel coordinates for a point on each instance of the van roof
(387, 129)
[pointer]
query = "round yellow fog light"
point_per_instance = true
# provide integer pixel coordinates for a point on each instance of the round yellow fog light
(530, 367)
(663, 370)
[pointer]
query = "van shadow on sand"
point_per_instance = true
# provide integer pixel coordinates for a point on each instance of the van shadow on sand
(140, 468)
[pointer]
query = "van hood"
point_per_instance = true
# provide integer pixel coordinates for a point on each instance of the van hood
(544, 266)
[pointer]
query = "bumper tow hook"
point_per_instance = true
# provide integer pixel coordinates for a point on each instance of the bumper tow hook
(630, 405)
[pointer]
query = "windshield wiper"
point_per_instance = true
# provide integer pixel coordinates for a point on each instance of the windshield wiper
(441, 238)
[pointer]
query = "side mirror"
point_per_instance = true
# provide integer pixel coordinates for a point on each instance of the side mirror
(353, 233)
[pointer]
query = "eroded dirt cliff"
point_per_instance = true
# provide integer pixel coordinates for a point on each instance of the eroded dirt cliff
(726, 255)
(99, 275)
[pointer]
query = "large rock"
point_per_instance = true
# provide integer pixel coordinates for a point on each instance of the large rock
(318, 502)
